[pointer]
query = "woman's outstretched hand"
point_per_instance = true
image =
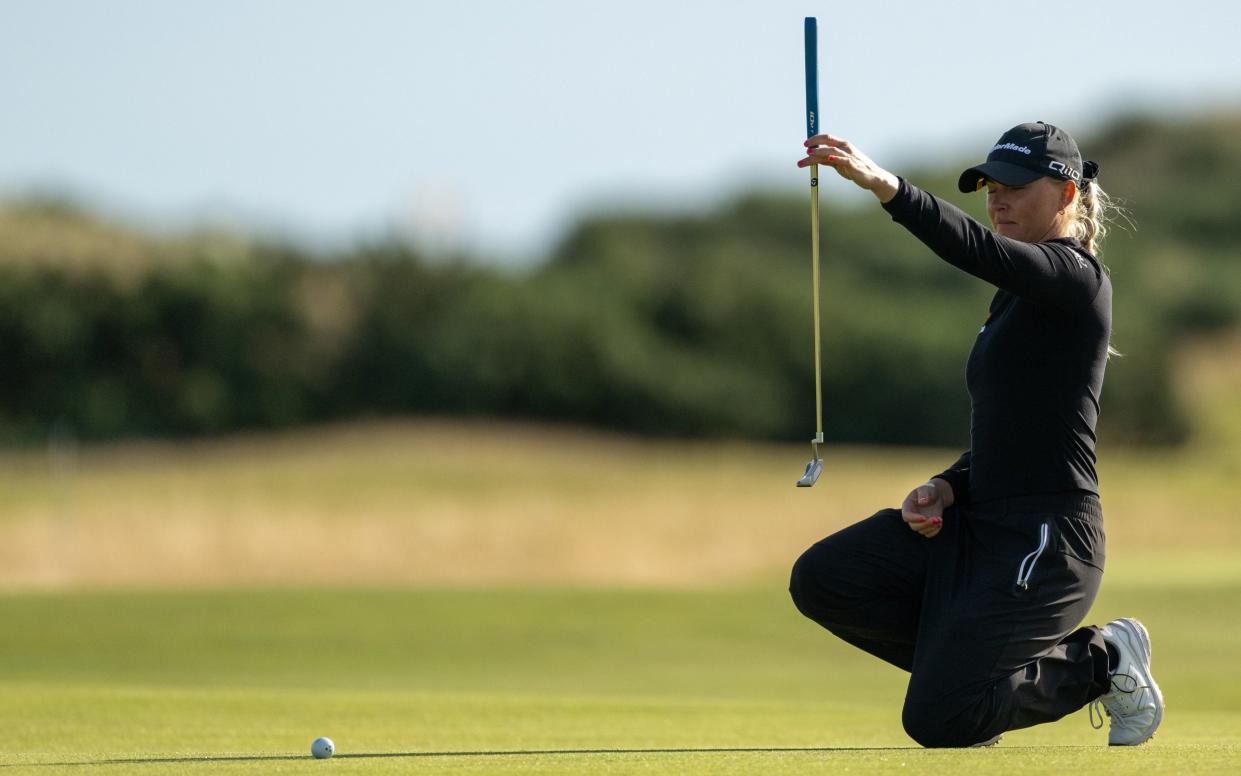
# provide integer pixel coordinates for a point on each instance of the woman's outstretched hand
(851, 164)
(923, 510)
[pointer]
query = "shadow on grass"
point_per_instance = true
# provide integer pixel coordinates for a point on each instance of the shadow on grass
(498, 753)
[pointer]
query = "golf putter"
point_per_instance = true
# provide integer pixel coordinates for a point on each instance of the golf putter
(815, 467)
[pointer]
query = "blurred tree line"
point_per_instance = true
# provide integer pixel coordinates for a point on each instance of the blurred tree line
(658, 323)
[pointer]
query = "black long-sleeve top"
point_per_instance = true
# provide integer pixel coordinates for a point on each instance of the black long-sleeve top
(1036, 368)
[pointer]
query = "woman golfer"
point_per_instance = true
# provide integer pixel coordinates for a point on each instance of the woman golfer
(976, 584)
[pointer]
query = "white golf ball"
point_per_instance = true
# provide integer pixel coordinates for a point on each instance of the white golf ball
(322, 748)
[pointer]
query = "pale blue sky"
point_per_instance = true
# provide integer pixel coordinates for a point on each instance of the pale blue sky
(491, 125)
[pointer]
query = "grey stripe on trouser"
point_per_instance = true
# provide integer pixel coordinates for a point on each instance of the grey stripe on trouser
(980, 615)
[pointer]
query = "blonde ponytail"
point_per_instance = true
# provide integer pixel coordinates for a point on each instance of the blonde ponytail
(1093, 214)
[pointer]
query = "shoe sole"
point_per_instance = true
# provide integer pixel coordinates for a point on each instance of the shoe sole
(1140, 641)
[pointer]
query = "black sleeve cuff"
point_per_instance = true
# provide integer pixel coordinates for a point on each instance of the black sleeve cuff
(960, 482)
(900, 203)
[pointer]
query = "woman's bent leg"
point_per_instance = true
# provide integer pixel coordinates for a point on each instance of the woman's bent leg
(998, 644)
(865, 584)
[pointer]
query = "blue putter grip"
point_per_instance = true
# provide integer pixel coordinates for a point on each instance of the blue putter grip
(812, 76)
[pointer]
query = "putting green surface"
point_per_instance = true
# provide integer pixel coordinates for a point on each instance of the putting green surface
(547, 680)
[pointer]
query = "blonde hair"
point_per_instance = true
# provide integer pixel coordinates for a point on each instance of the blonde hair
(1091, 215)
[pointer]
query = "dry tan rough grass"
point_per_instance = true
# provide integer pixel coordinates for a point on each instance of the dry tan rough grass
(435, 502)
(422, 502)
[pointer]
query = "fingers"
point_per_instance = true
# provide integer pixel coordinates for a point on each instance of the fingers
(927, 527)
(826, 139)
(831, 161)
(911, 515)
(916, 521)
(919, 497)
(833, 156)
(824, 151)
(922, 498)
(926, 493)
(836, 152)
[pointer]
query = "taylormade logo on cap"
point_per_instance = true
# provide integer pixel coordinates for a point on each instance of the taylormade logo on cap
(1010, 147)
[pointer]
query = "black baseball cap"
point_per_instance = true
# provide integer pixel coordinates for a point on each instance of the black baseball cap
(1028, 152)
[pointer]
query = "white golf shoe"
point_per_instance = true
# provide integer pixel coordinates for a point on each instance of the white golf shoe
(1134, 702)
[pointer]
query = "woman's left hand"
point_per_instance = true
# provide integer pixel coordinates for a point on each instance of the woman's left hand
(923, 509)
(851, 164)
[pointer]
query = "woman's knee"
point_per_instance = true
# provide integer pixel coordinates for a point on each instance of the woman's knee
(840, 577)
(923, 725)
(812, 583)
(930, 726)
(800, 581)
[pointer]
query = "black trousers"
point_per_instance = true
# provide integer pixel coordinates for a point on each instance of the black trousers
(982, 615)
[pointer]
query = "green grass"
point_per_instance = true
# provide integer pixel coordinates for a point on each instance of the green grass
(525, 679)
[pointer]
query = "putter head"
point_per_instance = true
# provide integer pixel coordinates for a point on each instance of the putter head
(813, 470)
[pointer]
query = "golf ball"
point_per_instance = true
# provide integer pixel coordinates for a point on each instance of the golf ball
(322, 748)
